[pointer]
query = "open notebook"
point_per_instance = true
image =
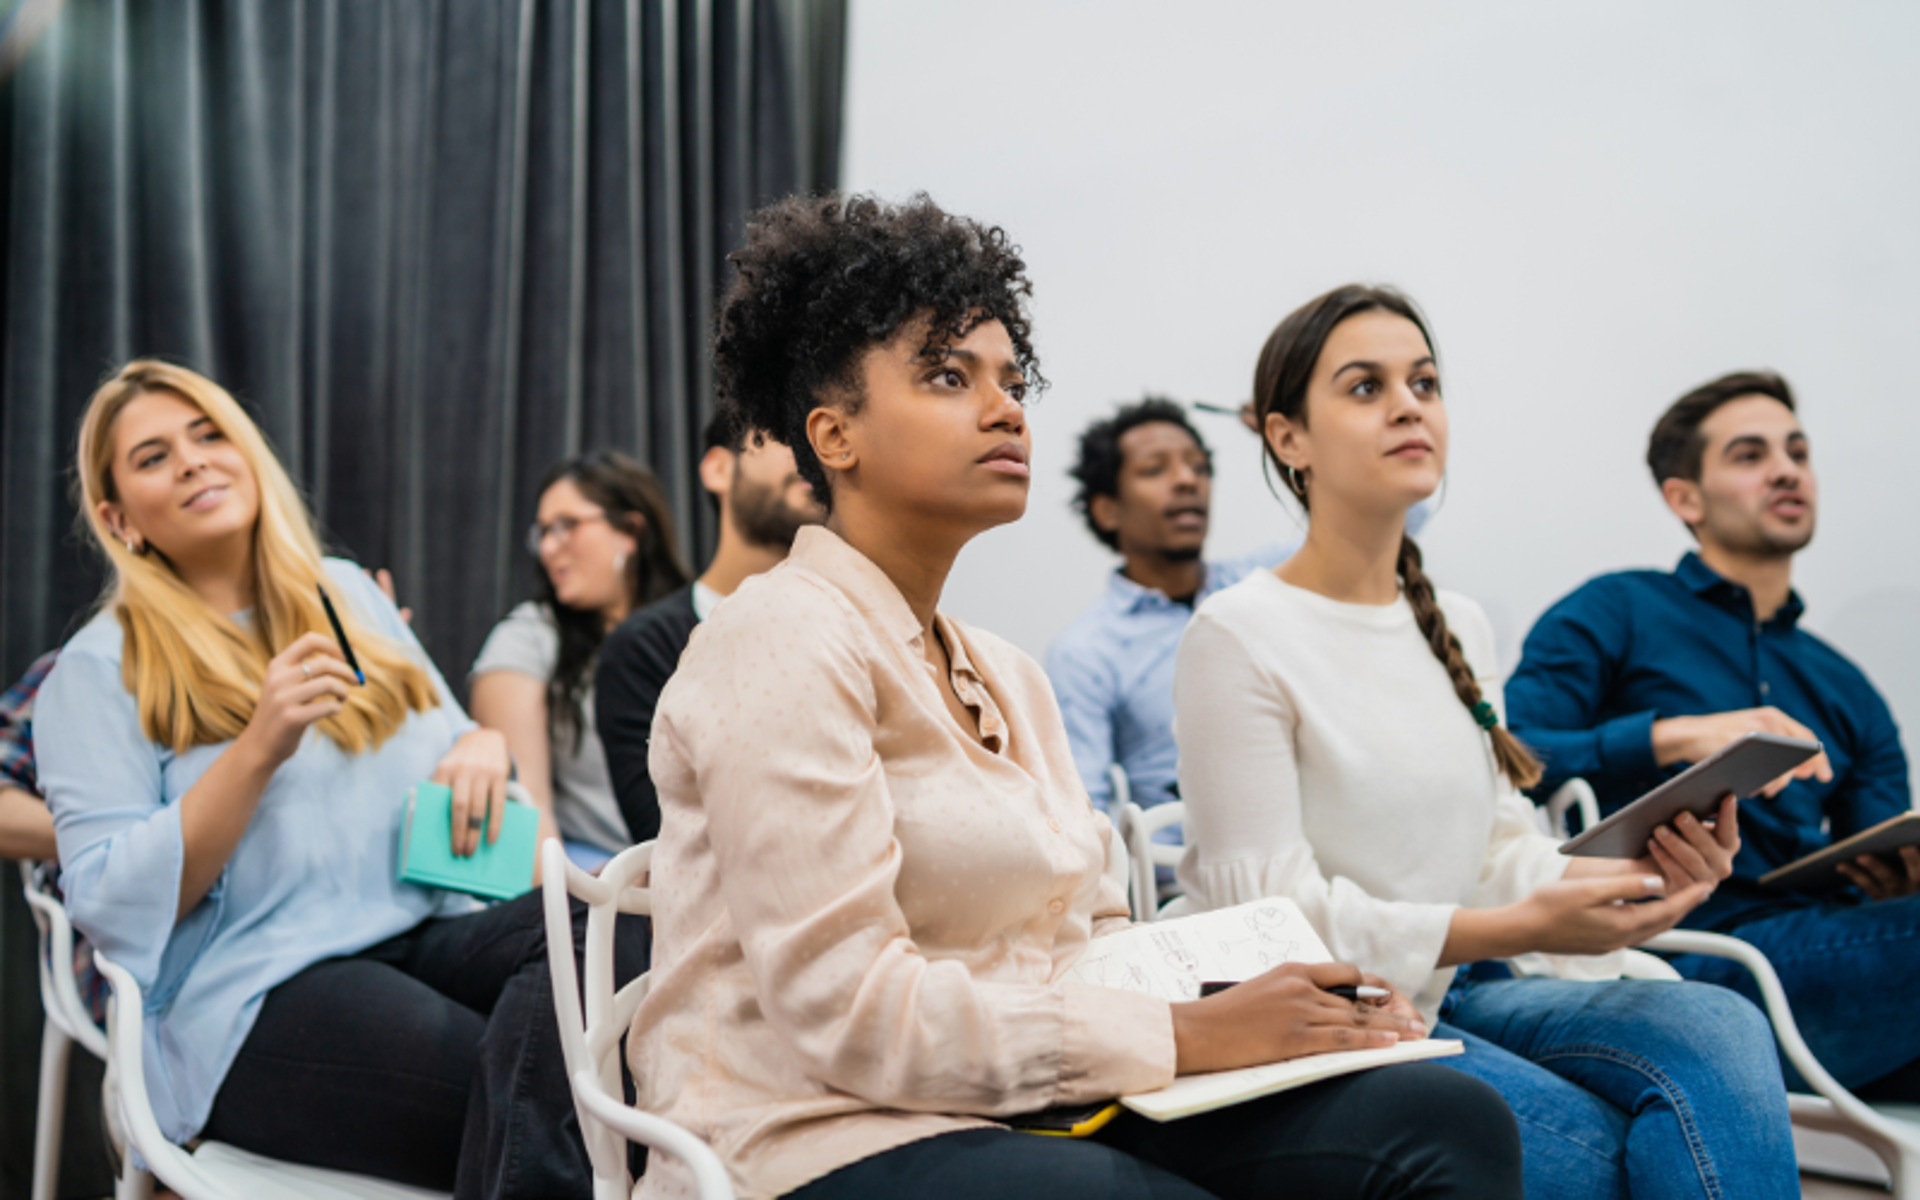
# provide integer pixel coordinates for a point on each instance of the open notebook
(1169, 959)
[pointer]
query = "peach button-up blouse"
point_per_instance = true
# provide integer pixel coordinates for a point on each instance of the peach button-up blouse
(862, 913)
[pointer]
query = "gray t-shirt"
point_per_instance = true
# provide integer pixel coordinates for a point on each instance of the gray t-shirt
(528, 642)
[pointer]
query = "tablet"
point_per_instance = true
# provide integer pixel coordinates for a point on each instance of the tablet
(1743, 766)
(1821, 868)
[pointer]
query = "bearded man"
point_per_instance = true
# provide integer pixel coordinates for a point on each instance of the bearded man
(1638, 673)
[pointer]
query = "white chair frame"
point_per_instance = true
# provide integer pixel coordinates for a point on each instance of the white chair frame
(67, 1022)
(213, 1170)
(1890, 1131)
(592, 1047)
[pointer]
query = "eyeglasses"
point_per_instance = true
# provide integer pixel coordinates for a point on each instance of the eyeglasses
(560, 528)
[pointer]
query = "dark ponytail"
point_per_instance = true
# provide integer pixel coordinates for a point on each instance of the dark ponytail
(1280, 382)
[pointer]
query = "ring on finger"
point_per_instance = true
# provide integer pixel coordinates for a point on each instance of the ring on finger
(306, 669)
(476, 820)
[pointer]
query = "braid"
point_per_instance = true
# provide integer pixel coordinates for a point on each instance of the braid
(1515, 761)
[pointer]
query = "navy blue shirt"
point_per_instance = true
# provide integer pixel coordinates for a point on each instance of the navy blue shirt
(1627, 649)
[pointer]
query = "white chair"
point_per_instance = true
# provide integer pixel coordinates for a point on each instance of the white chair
(213, 1170)
(1138, 826)
(592, 1048)
(1890, 1131)
(67, 1022)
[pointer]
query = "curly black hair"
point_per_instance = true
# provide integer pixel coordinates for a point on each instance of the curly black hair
(823, 278)
(1098, 468)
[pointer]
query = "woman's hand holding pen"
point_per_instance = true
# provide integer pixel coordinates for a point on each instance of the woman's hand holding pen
(306, 682)
(476, 770)
(1286, 1013)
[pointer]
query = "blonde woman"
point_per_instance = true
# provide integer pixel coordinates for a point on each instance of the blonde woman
(228, 799)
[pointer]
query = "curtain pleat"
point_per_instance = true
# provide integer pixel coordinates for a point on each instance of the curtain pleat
(433, 245)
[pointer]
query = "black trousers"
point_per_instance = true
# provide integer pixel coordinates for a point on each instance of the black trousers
(1401, 1132)
(431, 1059)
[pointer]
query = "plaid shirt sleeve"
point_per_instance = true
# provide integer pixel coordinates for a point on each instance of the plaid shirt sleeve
(16, 726)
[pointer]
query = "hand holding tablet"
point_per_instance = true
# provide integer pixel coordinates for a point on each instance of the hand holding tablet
(1743, 767)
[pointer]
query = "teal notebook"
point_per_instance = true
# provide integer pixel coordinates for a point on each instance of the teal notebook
(499, 870)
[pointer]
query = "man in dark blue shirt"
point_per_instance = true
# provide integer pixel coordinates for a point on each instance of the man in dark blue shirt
(1638, 673)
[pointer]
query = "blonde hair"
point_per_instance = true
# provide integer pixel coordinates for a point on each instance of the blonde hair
(194, 673)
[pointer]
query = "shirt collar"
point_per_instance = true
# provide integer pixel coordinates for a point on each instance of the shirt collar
(1128, 597)
(1708, 584)
(827, 554)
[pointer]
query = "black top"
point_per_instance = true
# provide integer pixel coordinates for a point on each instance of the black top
(636, 661)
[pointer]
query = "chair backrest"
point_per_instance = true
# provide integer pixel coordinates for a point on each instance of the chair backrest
(1574, 794)
(1137, 826)
(59, 988)
(592, 1046)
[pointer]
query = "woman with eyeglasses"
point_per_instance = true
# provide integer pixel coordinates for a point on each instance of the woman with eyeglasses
(605, 545)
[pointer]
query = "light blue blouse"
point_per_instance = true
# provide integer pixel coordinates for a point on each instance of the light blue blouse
(313, 877)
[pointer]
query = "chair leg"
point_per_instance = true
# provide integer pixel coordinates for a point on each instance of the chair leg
(133, 1184)
(56, 1048)
(1904, 1166)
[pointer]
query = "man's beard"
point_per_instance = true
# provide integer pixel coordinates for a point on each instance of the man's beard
(1756, 540)
(762, 515)
(1181, 554)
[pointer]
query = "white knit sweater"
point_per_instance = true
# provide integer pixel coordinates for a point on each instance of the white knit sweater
(1324, 756)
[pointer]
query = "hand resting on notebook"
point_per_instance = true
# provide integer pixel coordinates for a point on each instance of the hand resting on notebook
(1287, 1013)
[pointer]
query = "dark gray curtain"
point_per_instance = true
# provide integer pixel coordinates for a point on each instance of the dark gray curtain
(435, 245)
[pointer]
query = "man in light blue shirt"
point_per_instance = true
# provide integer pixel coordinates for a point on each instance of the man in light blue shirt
(1146, 483)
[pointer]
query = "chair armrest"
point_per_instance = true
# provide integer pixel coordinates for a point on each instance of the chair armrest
(59, 989)
(1575, 793)
(1774, 997)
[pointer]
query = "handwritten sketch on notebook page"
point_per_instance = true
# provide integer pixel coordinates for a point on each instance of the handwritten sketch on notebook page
(1170, 959)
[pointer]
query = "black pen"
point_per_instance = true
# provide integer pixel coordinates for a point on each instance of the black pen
(1222, 409)
(340, 634)
(1345, 991)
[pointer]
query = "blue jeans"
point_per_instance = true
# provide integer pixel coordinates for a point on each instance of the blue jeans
(1850, 973)
(1652, 1090)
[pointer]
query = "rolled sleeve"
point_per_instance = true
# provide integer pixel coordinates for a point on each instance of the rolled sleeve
(1626, 744)
(802, 827)
(121, 850)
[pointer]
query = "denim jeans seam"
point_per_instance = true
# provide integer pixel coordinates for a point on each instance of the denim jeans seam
(520, 1091)
(1674, 1094)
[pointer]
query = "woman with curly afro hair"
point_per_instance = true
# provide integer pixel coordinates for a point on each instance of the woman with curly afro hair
(876, 861)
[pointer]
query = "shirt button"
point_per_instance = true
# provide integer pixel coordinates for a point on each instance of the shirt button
(1764, 689)
(1056, 906)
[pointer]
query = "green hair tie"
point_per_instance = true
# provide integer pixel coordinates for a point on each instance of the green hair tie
(1483, 713)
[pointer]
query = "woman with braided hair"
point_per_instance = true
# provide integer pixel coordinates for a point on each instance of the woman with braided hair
(1341, 744)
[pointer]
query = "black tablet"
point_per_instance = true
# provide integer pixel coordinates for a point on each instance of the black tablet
(1742, 767)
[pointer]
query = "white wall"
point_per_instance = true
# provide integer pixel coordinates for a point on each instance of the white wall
(1599, 204)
